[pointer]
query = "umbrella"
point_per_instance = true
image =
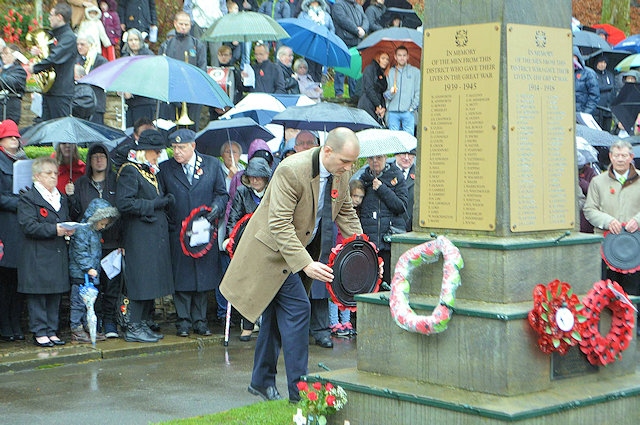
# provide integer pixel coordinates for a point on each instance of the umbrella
(615, 34)
(387, 40)
(159, 77)
(355, 70)
(244, 26)
(315, 42)
(242, 130)
(407, 16)
(595, 137)
(589, 153)
(325, 116)
(630, 44)
(262, 107)
(613, 58)
(589, 42)
(88, 294)
(69, 130)
(379, 141)
(626, 106)
(631, 61)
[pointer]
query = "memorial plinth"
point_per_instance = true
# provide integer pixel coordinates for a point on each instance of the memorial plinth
(497, 176)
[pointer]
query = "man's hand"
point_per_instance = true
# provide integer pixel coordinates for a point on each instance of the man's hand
(70, 189)
(376, 183)
(631, 226)
(615, 227)
(319, 271)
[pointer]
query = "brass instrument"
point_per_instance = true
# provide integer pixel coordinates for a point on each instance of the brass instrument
(42, 38)
(183, 119)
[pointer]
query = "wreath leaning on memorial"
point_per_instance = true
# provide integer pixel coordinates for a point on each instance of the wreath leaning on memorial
(602, 350)
(428, 252)
(555, 317)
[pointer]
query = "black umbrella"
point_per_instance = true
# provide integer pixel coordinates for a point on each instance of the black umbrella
(408, 17)
(242, 130)
(69, 130)
(626, 106)
(589, 42)
(325, 116)
(613, 58)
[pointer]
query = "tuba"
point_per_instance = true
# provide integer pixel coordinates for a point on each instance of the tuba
(42, 38)
(183, 119)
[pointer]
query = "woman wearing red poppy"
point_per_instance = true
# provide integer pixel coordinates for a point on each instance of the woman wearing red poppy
(43, 264)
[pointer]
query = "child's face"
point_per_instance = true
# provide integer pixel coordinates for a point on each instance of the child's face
(356, 197)
(100, 225)
(104, 6)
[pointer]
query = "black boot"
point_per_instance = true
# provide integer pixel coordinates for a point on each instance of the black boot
(149, 330)
(136, 332)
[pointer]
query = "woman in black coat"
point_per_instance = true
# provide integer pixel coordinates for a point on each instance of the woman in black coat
(11, 301)
(137, 106)
(384, 205)
(43, 262)
(374, 84)
(142, 202)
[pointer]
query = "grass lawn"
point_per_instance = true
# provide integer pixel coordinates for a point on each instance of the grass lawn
(265, 413)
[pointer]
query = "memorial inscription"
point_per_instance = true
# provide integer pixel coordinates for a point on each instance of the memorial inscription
(460, 89)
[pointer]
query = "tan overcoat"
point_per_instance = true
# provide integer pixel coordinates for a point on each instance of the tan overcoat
(273, 244)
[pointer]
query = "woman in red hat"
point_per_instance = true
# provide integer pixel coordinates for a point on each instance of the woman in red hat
(11, 302)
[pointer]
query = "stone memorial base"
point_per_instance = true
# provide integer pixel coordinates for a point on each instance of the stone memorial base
(486, 367)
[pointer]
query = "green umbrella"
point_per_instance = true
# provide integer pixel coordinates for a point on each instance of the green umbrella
(245, 26)
(355, 70)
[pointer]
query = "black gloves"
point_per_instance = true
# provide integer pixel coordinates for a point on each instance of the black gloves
(215, 213)
(166, 201)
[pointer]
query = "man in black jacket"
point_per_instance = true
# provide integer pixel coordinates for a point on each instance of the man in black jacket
(351, 26)
(268, 75)
(285, 58)
(62, 58)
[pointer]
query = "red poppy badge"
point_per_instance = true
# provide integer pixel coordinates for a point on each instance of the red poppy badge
(44, 212)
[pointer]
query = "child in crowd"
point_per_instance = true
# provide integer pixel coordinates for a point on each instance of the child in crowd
(92, 26)
(340, 321)
(111, 23)
(85, 252)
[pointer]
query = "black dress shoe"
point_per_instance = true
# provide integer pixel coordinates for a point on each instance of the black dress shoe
(18, 337)
(136, 332)
(182, 332)
(245, 338)
(57, 341)
(42, 344)
(325, 342)
(9, 338)
(204, 331)
(269, 394)
(152, 325)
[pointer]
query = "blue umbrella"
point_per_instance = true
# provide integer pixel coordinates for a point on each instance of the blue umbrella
(630, 44)
(262, 107)
(315, 41)
(242, 130)
(159, 77)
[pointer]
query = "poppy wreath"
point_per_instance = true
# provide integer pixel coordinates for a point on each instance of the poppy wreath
(542, 318)
(332, 259)
(602, 350)
(428, 252)
(202, 209)
(231, 246)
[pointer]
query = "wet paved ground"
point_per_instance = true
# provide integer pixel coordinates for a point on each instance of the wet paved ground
(133, 383)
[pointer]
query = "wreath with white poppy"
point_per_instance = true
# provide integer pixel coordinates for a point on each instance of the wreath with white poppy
(428, 252)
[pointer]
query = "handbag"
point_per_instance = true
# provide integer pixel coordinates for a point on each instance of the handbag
(123, 316)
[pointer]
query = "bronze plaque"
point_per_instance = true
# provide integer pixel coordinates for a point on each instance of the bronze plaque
(542, 167)
(459, 134)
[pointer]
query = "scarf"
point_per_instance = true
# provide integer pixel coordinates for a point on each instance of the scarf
(53, 197)
(14, 156)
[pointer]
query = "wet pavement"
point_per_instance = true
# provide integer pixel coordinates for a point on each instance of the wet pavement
(134, 383)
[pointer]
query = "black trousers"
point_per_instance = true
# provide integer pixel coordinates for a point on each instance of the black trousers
(191, 309)
(11, 302)
(44, 313)
(55, 106)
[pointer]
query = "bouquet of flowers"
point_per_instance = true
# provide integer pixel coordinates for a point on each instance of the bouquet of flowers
(318, 401)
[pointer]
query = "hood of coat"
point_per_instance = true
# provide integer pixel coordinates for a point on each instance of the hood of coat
(257, 145)
(576, 52)
(89, 17)
(307, 3)
(99, 209)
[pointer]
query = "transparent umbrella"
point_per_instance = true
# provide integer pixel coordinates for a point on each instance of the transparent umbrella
(89, 293)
